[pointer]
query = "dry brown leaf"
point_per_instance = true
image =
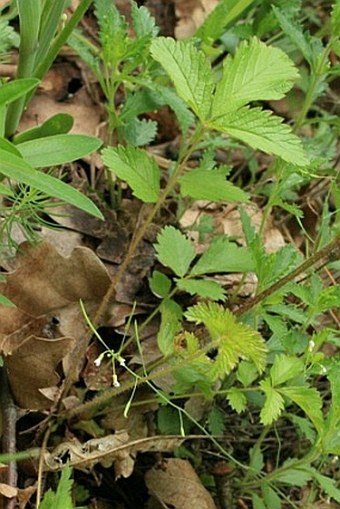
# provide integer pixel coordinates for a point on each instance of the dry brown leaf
(8, 491)
(191, 14)
(117, 450)
(32, 367)
(47, 322)
(175, 482)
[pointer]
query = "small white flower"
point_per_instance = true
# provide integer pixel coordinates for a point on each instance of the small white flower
(115, 382)
(121, 361)
(311, 346)
(98, 361)
(323, 370)
(335, 459)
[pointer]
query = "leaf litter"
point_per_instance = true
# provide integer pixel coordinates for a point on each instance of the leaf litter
(38, 337)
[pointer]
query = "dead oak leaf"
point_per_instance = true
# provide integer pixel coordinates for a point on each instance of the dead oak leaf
(32, 368)
(177, 483)
(47, 322)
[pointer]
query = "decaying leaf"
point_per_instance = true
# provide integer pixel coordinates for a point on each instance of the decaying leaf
(46, 323)
(175, 482)
(8, 491)
(117, 450)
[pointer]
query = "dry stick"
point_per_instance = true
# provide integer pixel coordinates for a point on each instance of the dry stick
(330, 252)
(9, 417)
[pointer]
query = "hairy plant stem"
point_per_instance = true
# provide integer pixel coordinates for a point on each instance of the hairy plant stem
(331, 250)
(78, 355)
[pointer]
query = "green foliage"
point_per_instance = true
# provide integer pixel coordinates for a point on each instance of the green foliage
(201, 184)
(235, 341)
(61, 498)
(190, 71)
(174, 250)
(210, 348)
(16, 168)
(137, 168)
(243, 80)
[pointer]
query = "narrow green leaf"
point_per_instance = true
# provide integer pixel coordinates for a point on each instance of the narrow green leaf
(59, 149)
(4, 301)
(308, 46)
(225, 13)
(210, 185)
(264, 131)
(309, 400)
(10, 92)
(190, 71)
(204, 288)
(273, 405)
(16, 168)
(256, 72)
(137, 168)
(285, 368)
(9, 147)
(335, 20)
(174, 250)
(61, 123)
(223, 256)
(237, 400)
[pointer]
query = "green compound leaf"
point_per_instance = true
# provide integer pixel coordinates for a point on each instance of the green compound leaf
(138, 169)
(263, 131)
(223, 256)
(273, 405)
(189, 70)
(204, 288)
(235, 341)
(61, 499)
(17, 169)
(285, 368)
(237, 400)
(256, 72)
(309, 400)
(294, 474)
(174, 250)
(58, 149)
(210, 185)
